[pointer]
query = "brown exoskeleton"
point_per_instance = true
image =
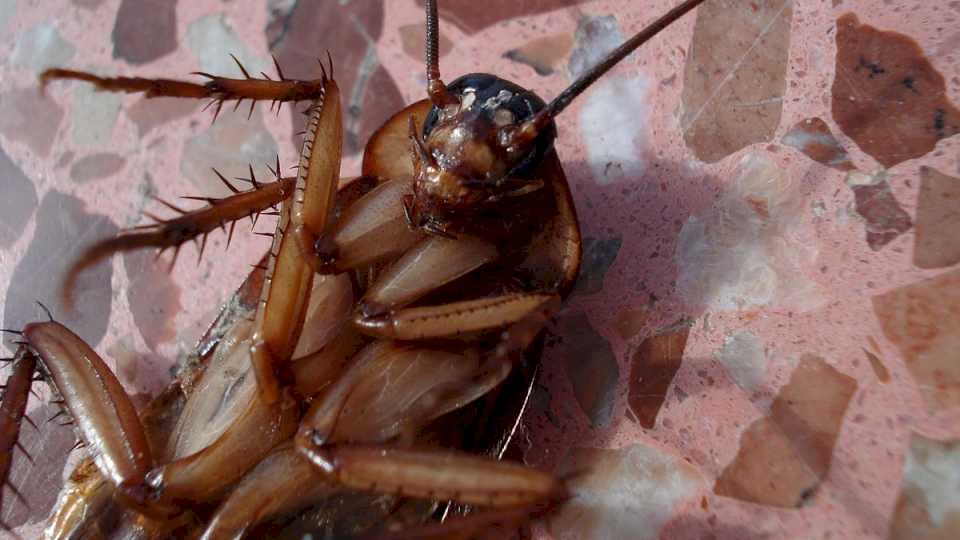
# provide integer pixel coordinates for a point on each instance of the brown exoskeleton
(330, 389)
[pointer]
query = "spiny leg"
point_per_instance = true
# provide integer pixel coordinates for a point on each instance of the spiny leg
(219, 89)
(190, 225)
(375, 228)
(214, 456)
(16, 393)
(224, 429)
(234, 431)
(318, 172)
(283, 303)
(285, 481)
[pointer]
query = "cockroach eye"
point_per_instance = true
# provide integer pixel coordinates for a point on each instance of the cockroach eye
(468, 99)
(503, 118)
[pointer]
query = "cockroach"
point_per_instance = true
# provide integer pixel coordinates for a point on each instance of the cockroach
(330, 395)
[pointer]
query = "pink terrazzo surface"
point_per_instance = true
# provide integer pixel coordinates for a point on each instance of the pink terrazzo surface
(764, 337)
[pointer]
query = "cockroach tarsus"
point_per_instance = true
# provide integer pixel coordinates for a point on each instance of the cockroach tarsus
(332, 391)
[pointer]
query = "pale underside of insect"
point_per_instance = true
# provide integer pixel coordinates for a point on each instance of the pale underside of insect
(373, 367)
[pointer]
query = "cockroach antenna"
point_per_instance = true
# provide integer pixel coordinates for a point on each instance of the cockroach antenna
(439, 95)
(532, 127)
(45, 310)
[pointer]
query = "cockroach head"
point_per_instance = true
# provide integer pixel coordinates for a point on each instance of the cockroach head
(471, 151)
(485, 136)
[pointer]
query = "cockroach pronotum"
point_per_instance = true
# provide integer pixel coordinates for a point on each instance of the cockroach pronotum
(391, 310)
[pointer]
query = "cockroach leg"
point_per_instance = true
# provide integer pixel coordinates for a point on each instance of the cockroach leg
(497, 365)
(282, 483)
(105, 418)
(371, 401)
(283, 303)
(228, 426)
(219, 89)
(173, 233)
(319, 369)
(12, 409)
(320, 421)
(205, 475)
(317, 181)
(328, 313)
(372, 230)
(224, 430)
(453, 319)
(436, 474)
(82, 506)
(281, 311)
(434, 262)
(440, 382)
